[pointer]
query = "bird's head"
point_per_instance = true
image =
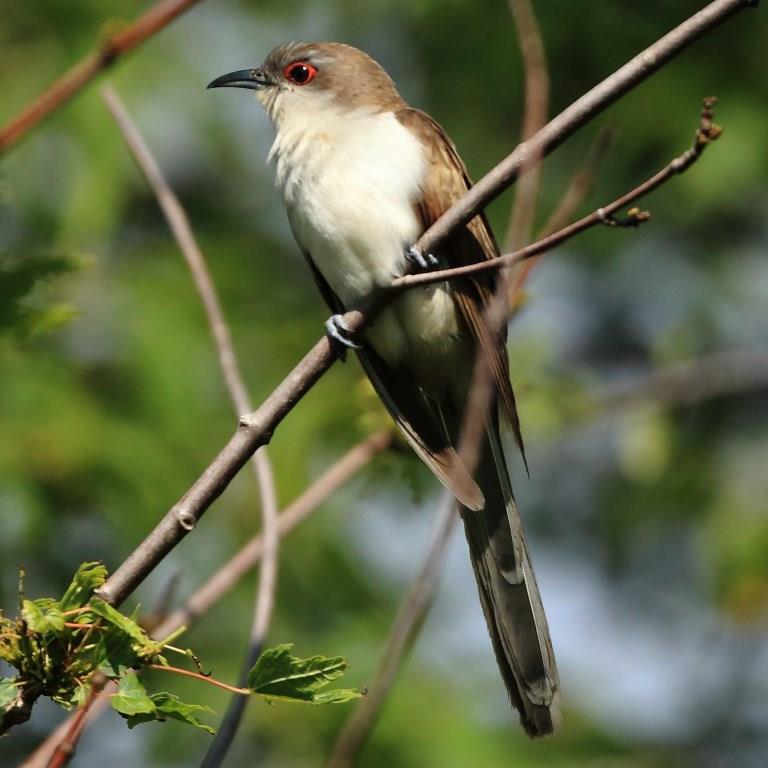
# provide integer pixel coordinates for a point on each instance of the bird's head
(307, 77)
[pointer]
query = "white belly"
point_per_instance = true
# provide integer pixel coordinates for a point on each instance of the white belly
(349, 185)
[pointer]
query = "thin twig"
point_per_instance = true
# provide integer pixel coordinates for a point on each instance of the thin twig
(584, 109)
(246, 558)
(257, 428)
(202, 678)
(182, 231)
(417, 601)
(685, 383)
(65, 748)
(534, 117)
(405, 629)
(706, 133)
(84, 71)
(574, 195)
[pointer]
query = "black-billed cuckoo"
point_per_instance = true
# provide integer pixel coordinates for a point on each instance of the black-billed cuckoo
(362, 175)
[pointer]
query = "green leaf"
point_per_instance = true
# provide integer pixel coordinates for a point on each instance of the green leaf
(142, 643)
(9, 692)
(336, 696)
(79, 696)
(89, 576)
(114, 654)
(43, 615)
(131, 697)
(169, 706)
(279, 675)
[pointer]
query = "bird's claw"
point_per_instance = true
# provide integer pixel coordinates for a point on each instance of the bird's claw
(423, 261)
(339, 336)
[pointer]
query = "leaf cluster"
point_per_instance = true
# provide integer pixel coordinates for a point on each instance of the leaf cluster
(60, 647)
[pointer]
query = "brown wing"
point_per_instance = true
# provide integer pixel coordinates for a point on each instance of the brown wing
(445, 182)
(417, 417)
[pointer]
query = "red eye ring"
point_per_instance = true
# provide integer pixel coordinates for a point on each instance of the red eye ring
(300, 72)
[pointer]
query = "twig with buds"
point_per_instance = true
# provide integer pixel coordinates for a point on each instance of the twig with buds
(707, 132)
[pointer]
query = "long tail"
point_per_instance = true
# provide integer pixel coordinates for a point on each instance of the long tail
(509, 595)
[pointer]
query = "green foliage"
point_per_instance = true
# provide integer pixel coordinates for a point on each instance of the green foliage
(165, 706)
(9, 691)
(88, 578)
(22, 310)
(57, 646)
(279, 675)
(131, 697)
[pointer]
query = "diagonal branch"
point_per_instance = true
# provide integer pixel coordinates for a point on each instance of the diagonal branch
(182, 231)
(89, 67)
(584, 109)
(257, 428)
(410, 616)
(534, 117)
(225, 579)
(574, 195)
(707, 132)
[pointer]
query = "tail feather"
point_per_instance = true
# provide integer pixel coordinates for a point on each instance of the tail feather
(510, 596)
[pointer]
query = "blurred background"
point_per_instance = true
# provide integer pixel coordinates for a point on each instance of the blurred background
(646, 504)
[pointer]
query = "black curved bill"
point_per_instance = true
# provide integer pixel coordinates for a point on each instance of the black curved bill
(254, 79)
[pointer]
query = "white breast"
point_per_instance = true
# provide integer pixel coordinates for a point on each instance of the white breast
(349, 183)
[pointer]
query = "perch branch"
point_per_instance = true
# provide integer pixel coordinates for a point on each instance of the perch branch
(707, 132)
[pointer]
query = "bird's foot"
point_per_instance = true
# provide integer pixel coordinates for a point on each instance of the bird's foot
(339, 336)
(422, 261)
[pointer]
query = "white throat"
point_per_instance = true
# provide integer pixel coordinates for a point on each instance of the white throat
(350, 181)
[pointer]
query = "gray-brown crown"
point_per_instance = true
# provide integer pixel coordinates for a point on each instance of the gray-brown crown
(342, 70)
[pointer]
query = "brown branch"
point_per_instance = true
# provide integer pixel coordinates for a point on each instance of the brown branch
(534, 117)
(418, 600)
(574, 195)
(202, 678)
(405, 629)
(246, 558)
(182, 231)
(686, 383)
(65, 748)
(584, 109)
(256, 429)
(706, 133)
(228, 575)
(90, 66)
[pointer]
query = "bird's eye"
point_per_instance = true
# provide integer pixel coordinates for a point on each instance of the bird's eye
(301, 72)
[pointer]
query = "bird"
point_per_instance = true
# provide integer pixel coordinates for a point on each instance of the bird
(362, 175)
